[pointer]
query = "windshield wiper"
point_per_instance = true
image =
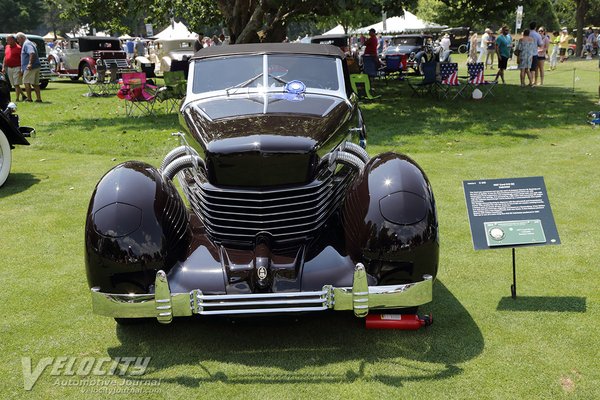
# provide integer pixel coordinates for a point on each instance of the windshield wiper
(243, 84)
(249, 81)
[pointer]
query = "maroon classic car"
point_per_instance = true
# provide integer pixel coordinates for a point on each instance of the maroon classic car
(79, 56)
(287, 212)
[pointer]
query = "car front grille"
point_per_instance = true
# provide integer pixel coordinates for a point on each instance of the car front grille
(45, 72)
(285, 214)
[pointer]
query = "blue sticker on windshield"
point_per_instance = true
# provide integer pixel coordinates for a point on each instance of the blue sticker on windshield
(295, 87)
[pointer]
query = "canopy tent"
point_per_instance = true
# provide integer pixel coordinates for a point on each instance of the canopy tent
(409, 22)
(176, 30)
(50, 37)
(125, 37)
(338, 30)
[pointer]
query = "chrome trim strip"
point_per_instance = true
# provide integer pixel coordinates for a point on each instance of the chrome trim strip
(164, 305)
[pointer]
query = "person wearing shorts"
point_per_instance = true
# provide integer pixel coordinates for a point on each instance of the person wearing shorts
(503, 44)
(541, 53)
(12, 65)
(30, 66)
(563, 44)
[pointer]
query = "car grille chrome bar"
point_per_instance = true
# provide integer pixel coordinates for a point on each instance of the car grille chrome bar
(360, 298)
(287, 214)
(261, 303)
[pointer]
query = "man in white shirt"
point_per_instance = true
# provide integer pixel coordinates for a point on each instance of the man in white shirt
(485, 38)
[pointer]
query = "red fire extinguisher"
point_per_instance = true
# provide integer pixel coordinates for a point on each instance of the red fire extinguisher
(407, 322)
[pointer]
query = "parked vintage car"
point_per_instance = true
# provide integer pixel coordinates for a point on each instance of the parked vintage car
(78, 58)
(164, 51)
(287, 213)
(45, 73)
(407, 45)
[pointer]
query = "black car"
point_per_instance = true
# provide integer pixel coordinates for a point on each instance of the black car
(287, 212)
(408, 45)
(10, 136)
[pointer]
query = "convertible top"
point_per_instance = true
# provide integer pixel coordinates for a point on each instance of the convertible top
(269, 48)
(91, 43)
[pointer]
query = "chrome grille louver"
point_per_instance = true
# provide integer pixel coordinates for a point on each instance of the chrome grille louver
(287, 214)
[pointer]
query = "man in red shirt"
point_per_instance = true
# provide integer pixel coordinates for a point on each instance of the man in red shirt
(371, 44)
(12, 65)
(371, 47)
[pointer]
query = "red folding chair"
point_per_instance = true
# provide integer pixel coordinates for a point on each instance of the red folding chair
(138, 94)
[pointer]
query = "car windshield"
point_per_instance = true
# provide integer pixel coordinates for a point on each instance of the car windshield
(235, 74)
(407, 41)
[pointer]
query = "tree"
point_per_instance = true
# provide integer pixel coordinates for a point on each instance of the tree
(21, 15)
(492, 15)
(267, 20)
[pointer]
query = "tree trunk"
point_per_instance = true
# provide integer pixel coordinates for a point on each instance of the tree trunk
(582, 8)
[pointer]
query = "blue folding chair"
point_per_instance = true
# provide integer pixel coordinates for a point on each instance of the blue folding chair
(427, 85)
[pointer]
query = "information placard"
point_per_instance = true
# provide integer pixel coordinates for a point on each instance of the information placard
(509, 212)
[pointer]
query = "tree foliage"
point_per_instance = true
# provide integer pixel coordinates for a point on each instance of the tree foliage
(494, 15)
(21, 15)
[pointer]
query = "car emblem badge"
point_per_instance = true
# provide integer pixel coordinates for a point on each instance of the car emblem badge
(262, 273)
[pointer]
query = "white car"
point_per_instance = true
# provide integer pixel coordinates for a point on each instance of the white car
(164, 51)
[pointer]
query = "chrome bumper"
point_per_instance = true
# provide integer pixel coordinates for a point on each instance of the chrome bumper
(164, 305)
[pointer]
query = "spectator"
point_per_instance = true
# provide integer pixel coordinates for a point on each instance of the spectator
(30, 66)
(490, 50)
(12, 65)
(130, 48)
(140, 49)
(554, 55)
(503, 45)
(445, 42)
(472, 48)
(483, 45)
(589, 44)
(563, 44)
(537, 39)
(371, 44)
(526, 48)
(379, 44)
(542, 52)
(371, 47)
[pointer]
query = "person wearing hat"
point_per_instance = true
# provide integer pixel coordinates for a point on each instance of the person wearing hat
(485, 38)
(563, 44)
(371, 46)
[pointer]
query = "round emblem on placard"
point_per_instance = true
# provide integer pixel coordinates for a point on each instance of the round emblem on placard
(497, 233)
(261, 272)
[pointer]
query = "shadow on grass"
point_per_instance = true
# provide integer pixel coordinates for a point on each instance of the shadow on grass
(543, 303)
(515, 109)
(309, 348)
(124, 122)
(17, 183)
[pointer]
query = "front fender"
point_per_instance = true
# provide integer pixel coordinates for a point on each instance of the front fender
(390, 219)
(87, 60)
(11, 132)
(136, 225)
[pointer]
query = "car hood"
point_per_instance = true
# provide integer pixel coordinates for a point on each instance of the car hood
(403, 49)
(266, 139)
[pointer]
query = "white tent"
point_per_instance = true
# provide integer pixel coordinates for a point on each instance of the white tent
(409, 22)
(338, 30)
(176, 30)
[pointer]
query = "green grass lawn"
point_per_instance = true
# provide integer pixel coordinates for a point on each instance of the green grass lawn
(483, 344)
